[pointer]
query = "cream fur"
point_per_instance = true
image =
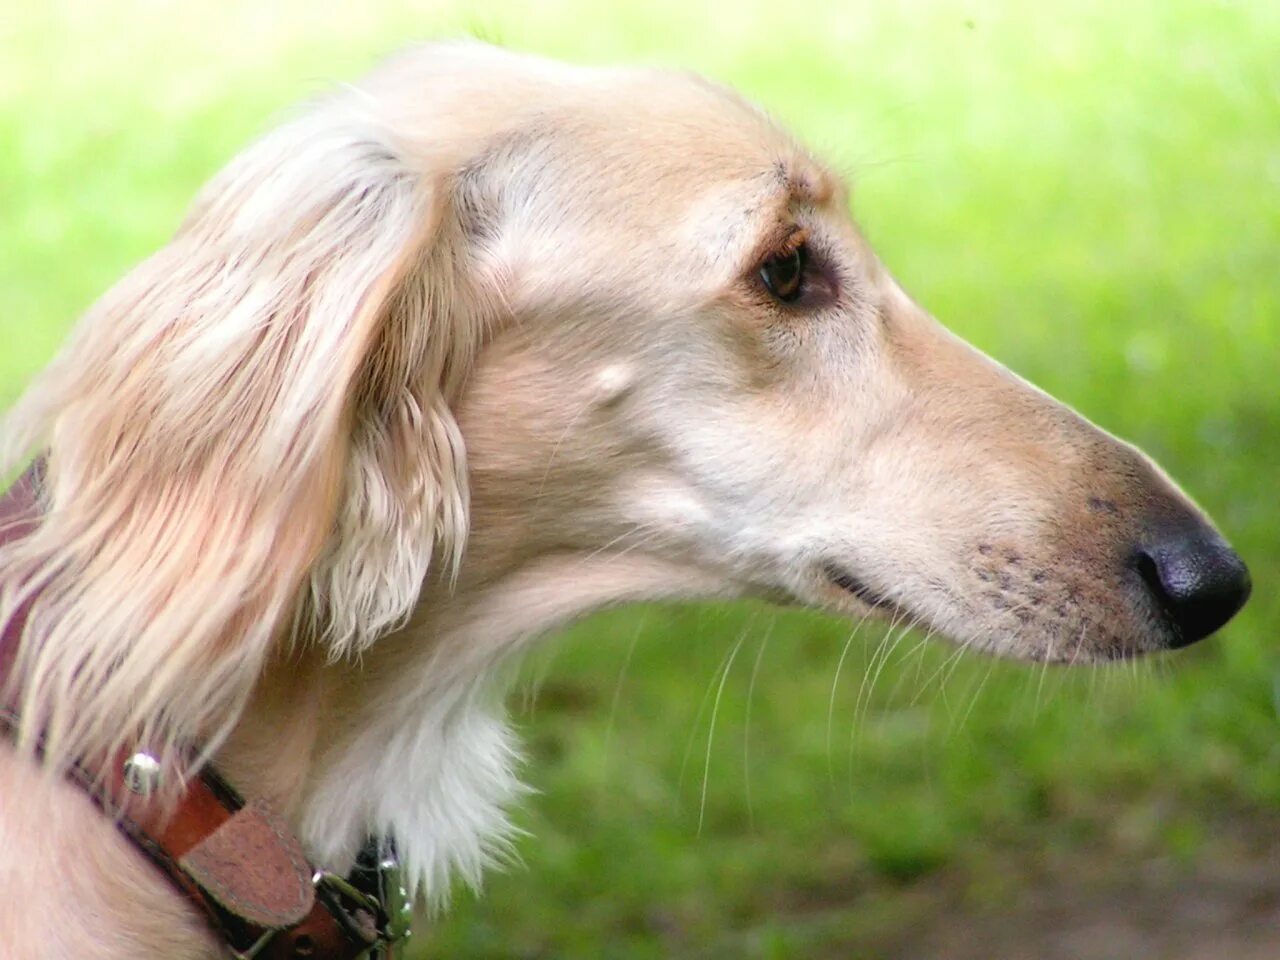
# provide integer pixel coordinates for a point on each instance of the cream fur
(457, 355)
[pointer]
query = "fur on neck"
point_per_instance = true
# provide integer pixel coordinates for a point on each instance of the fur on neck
(412, 740)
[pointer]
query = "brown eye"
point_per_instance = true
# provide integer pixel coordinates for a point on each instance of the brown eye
(783, 275)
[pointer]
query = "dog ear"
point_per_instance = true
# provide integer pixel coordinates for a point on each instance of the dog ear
(249, 443)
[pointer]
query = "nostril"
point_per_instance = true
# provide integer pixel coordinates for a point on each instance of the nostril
(1150, 574)
(1196, 579)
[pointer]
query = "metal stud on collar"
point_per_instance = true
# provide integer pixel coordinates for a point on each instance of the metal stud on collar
(395, 900)
(142, 774)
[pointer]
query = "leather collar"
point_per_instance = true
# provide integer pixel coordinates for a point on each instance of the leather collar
(236, 860)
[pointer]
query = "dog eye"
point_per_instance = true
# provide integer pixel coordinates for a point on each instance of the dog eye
(783, 275)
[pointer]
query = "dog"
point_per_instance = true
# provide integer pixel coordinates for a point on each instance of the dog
(456, 355)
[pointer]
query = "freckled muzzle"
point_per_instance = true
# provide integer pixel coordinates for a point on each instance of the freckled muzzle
(1183, 581)
(1121, 582)
(1166, 586)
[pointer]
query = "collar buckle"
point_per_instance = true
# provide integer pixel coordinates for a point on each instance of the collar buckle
(372, 905)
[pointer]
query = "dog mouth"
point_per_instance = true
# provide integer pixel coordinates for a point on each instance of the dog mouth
(839, 577)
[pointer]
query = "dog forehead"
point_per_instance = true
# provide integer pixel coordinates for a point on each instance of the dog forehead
(681, 133)
(645, 142)
(719, 182)
(699, 155)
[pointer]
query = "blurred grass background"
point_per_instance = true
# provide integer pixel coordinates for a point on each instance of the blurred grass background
(1091, 192)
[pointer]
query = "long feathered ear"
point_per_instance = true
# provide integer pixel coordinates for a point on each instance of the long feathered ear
(249, 436)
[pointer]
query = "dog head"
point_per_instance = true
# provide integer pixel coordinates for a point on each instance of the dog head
(703, 361)
(612, 319)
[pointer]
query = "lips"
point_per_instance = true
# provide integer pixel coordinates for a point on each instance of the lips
(850, 584)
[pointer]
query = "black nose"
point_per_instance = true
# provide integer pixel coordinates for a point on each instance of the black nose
(1196, 578)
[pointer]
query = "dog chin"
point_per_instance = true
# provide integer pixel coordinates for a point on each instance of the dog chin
(841, 592)
(1084, 647)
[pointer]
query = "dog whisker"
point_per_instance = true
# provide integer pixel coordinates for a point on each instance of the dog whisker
(636, 529)
(857, 725)
(916, 653)
(942, 668)
(1044, 673)
(697, 719)
(869, 670)
(555, 448)
(640, 624)
(746, 730)
(711, 729)
(973, 700)
(835, 683)
(879, 670)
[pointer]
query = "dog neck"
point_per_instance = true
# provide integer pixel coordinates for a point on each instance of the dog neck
(412, 740)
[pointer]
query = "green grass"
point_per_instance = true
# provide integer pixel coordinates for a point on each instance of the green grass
(1091, 192)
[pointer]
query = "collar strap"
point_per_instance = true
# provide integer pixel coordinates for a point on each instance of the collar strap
(235, 860)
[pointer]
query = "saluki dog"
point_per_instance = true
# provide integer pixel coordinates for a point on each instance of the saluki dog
(453, 356)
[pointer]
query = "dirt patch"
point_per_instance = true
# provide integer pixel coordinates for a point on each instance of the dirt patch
(1225, 906)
